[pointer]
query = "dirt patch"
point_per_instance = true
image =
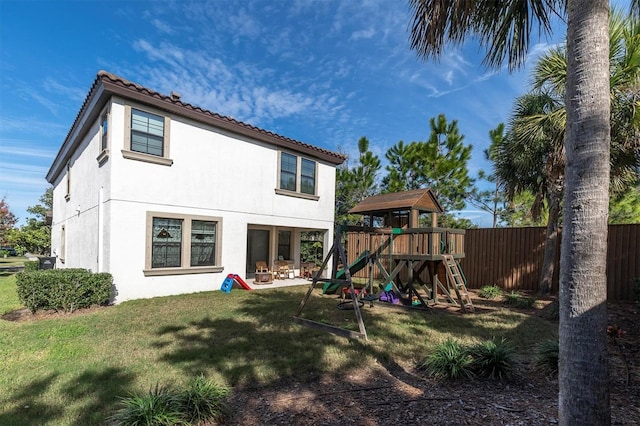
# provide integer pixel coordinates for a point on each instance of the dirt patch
(391, 394)
(25, 314)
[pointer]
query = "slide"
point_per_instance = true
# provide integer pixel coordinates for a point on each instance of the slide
(358, 264)
(227, 284)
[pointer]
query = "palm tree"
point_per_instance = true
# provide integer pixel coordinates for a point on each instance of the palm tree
(534, 157)
(503, 27)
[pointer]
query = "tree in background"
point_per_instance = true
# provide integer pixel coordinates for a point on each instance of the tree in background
(354, 184)
(532, 159)
(491, 201)
(504, 28)
(7, 221)
(625, 207)
(35, 236)
(440, 163)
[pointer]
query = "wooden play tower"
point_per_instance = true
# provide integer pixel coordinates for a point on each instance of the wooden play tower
(420, 261)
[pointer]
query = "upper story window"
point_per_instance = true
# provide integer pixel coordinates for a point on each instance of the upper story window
(67, 195)
(308, 177)
(146, 136)
(104, 137)
(297, 176)
(147, 133)
(288, 171)
(104, 127)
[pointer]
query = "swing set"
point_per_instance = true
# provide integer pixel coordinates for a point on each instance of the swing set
(402, 257)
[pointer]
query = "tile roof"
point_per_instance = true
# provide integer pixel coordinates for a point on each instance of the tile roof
(112, 84)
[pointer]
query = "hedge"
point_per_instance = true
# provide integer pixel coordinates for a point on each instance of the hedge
(31, 265)
(63, 289)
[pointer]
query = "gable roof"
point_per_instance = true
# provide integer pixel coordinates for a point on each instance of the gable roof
(423, 200)
(107, 84)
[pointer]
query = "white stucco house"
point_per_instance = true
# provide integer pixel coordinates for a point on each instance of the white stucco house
(170, 198)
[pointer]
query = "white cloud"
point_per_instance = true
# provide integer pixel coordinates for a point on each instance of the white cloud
(75, 94)
(362, 34)
(162, 26)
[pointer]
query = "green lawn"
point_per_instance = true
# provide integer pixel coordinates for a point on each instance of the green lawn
(70, 370)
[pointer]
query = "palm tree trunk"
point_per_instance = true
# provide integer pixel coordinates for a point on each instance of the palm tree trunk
(551, 241)
(583, 370)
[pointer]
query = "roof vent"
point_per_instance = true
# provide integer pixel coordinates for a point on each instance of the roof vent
(175, 96)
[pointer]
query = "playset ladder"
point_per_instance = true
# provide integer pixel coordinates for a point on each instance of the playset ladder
(456, 280)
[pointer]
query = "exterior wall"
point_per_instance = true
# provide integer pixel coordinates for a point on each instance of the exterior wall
(213, 174)
(79, 211)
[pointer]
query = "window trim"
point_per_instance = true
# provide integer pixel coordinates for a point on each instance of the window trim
(297, 193)
(165, 160)
(104, 145)
(185, 259)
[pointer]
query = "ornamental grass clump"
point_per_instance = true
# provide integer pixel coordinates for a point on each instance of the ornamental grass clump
(517, 300)
(201, 402)
(159, 407)
(547, 356)
(204, 400)
(490, 292)
(493, 360)
(449, 360)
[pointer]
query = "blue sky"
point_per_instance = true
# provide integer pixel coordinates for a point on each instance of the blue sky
(324, 72)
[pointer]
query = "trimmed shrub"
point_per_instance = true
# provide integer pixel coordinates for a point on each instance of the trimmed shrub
(490, 291)
(517, 300)
(492, 359)
(63, 289)
(449, 359)
(31, 265)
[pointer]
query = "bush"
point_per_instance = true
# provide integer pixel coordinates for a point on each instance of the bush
(449, 359)
(63, 289)
(201, 402)
(517, 300)
(492, 359)
(31, 265)
(547, 356)
(490, 291)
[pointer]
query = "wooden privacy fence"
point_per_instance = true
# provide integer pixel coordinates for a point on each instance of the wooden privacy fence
(512, 259)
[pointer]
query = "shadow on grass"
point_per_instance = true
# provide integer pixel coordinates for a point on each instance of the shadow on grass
(257, 344)
(27, 409)
(96, 391)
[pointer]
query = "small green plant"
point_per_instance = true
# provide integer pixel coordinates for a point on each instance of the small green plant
(519, 301)
(492, 359)
(4, 253)
(490, 291)
(449, 359)
(204, 400)
(547, 356)
(159, 407)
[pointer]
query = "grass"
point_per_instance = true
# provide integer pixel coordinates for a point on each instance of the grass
(73, 369)
(10, 261)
